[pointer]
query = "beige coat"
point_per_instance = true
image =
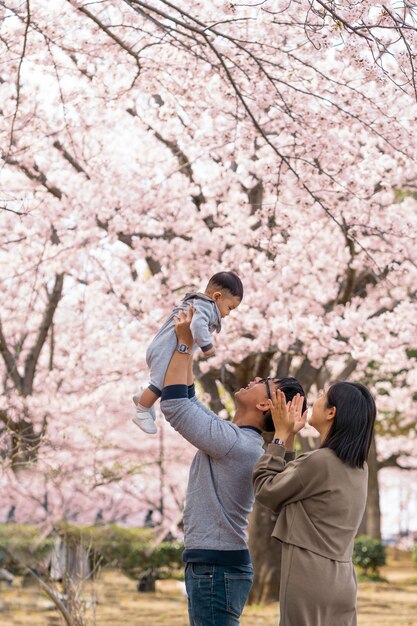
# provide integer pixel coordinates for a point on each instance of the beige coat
(320, 502)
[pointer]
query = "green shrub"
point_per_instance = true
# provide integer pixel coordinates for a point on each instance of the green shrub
(25, 543)
(128, 549)
(369, 554)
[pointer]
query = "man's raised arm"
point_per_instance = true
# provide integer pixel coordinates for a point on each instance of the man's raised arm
(181, 361)
(207, 432)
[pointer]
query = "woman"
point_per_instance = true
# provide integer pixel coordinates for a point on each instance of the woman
(320, 500)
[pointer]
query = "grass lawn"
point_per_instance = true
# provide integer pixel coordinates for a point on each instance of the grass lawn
(392, 603)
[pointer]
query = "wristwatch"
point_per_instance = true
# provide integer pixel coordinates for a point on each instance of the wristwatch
(278, 442)
(183, 348)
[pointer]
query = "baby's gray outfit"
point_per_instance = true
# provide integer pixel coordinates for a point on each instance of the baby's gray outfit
(206, 320)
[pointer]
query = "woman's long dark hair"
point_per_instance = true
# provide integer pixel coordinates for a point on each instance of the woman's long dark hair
(350, 435)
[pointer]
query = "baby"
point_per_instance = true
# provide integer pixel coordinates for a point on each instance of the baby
(224, 292)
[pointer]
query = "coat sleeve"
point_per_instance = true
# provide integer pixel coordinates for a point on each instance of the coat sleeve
(200, 325)
(277, 482)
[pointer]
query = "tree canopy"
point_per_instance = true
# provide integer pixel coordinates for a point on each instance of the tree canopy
(146, 145)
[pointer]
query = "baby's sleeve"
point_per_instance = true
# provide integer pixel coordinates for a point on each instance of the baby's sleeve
(200, 325)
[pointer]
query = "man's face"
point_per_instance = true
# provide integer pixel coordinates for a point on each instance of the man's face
(256, 394)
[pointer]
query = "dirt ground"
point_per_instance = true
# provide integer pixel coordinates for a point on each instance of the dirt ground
(393, 603)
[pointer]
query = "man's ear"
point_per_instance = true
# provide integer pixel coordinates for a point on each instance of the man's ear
(216, 295)
(263, 406)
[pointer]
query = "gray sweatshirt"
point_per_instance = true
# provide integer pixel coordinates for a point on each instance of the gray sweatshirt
(220, 494)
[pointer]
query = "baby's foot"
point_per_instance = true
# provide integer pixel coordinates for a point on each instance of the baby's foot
(136, 399)
(145, 419)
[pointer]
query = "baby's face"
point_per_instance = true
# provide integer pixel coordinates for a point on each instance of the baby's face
(226, 303)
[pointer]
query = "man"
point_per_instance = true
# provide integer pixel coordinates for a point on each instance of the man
(218, 573)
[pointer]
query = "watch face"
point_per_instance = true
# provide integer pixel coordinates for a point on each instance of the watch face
(182, 348)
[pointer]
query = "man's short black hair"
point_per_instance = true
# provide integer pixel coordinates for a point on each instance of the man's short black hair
(290, 386)
(229, 281)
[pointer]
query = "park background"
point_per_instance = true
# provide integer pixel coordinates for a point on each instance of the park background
(147, 145)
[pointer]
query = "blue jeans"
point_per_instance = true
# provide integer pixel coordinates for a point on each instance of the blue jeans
(217, 593)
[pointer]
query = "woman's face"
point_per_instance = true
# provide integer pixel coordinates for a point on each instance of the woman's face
(320, 415)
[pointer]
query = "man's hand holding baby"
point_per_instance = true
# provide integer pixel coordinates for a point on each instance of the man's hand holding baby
(182, 323)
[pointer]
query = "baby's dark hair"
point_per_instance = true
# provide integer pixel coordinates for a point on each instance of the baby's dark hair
(226, 280)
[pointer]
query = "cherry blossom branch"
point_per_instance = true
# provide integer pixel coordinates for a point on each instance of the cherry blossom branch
(344, 297)
(201, 30)
(32, 358)
(10, 361)
(408, 48)
(5, 208)
(18, 75)
(112, 36)
(36, 175)
(398, 25)
(67, 156)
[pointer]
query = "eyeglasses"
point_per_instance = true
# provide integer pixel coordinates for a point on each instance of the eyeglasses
(268, 388)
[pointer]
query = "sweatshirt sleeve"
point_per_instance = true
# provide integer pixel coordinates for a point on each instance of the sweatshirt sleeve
(204, 408)
(277, 482)
(200, 325)
(205, 430)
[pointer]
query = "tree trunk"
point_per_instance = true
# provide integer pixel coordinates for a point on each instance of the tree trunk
(146, 583)
(22, 441)
(371, 521)
(266, 556)
(266, 551)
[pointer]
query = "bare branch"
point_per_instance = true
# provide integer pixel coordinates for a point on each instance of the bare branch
(392, 461)
(46, 588)
(5, 208)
